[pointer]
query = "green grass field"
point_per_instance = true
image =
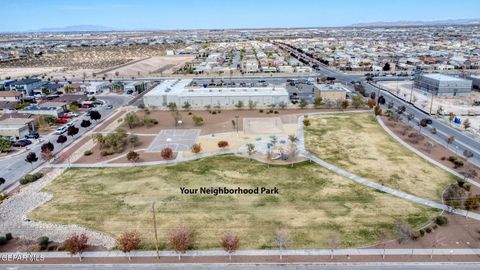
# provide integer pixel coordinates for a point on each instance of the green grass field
(312, 204)
(358, 144)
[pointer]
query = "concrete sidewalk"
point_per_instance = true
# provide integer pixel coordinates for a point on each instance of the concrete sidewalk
(261, 252)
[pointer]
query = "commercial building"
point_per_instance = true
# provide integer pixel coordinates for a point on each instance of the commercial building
(443, 85)
(330, 92)
(16, 127)
(182, 91)
(475, 81)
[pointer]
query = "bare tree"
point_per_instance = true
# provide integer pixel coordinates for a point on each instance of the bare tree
(437, 241)
(429, 146)
(180, 239)
(250, 150)
(230, 243)
(333, 242)
(383, 242)
(281, 241)
(128, 241)
(76, 244)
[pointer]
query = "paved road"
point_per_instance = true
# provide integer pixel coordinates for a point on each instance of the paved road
(392, 266)
(461, 142)
(12, 169)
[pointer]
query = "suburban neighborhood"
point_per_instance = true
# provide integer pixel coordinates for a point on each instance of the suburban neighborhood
(343, 146)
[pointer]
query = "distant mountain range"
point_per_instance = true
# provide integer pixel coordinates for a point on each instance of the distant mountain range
(419, 23)
(101, 28)
(78, 28)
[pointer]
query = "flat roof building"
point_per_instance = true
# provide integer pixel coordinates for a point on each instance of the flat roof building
(443, 85)
(475, 81)
(182, 91)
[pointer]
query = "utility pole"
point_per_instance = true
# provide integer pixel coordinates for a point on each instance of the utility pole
(431, 104)
(155, 229)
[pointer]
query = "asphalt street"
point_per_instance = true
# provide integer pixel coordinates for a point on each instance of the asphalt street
(12, 169)
(461, 142)
(399, 266)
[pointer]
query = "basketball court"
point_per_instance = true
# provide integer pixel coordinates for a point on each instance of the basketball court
(176, 139)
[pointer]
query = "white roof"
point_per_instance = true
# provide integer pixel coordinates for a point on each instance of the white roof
(441, 77)
(183, 88)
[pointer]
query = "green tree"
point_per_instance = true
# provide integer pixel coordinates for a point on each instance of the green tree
(252, 104)
(132, 120)
(303, 104)
(239, 105)
(357, 101)
(172, 106)
(50, 119)
(318, 102)
(5, 144)
(198, 120)
(344, 104)
(73, 108)
(186, 105)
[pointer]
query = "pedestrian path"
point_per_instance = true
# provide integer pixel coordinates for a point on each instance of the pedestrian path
(263, 252)
(366, 182)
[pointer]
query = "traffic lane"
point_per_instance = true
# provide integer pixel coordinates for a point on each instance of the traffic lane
(441, 136)
(465, 139)
(18, 167)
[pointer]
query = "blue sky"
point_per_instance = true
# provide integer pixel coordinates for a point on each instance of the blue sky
(22, 15)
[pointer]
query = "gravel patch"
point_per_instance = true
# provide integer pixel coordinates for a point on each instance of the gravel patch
(14, 211)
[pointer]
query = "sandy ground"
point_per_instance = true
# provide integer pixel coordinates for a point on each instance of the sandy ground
(20, 72)
(161, 65)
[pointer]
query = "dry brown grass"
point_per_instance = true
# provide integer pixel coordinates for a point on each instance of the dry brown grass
(358, 144)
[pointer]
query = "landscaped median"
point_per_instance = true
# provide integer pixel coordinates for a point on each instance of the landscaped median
(356, 143)
(313, 203)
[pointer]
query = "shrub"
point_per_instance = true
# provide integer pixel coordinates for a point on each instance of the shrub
(167, 153)
(441, 220)
(270, 111)
(198, 120)
(106, 153)
(3, 240)
(275, 112)
(460, 182)
(222, 144)
(471, 203)
(306, 122)
(3, 196)
(260, 111)
(149, 122)
(196, 148)
(415, 235)
(43, 242)
(29, 178)
(422, 232)
(8, 236)
(467, 187)
(214, 112)
(434, 227)
(428, 230)
(189, 113)
(443, 158)
(87, 153)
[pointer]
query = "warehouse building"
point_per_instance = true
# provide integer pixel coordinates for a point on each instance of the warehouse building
(443, 85)
(475, 81)
(330, 92)
(182, 91)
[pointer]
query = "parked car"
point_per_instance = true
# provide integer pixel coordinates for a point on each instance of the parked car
(129, 92)
(61, 130)
(72, 114)
(32, 135)
(21, 143)
(62, 121)
(65, 116)
(109, 107)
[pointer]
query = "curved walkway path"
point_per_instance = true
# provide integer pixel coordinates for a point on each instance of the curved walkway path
(366, 182)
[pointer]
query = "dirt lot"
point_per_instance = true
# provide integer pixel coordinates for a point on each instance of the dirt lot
(215, 123)
(155, 65)
(358, 144)
(312, 203)
(79, 62)
(144, 142)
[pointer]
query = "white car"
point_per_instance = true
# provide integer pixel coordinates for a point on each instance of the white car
(72, 114)
(61, 130)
